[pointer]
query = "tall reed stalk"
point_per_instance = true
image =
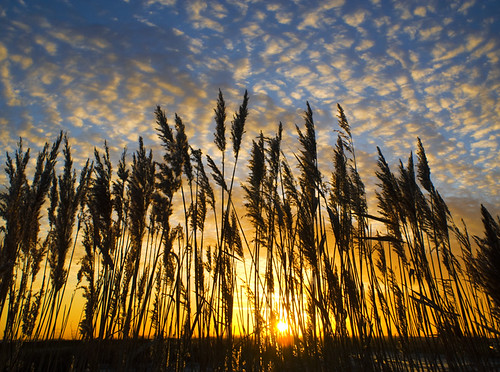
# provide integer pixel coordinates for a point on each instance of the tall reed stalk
(168, 259)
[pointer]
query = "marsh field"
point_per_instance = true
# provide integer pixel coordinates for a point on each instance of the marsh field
(177, 262)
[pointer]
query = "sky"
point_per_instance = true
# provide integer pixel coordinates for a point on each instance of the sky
(400, 69)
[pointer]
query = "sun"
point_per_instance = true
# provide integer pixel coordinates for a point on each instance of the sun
(282, 326)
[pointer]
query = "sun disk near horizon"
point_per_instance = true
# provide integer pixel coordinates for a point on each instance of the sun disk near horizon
(282, 326)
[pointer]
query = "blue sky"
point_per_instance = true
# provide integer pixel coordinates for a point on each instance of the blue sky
(400, 69)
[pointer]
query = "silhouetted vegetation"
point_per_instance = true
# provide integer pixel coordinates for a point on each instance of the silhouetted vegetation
(175, 275)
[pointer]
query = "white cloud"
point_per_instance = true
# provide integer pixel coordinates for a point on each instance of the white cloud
(443, 52)
(365, 44)
(49, 46)
(274, 46)
(219, 10)
(242, 69)
(11, 95)
(160, 2)
(143, 66)
(465, 6)
(23, 61)
(3, 52)
(283, 17)
(197, 10)
(355, 19)
(420, 11)
(473, 42)
(311, 19)
(430, 33)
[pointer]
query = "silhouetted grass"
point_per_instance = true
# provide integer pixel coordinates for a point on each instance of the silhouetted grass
(414, 293)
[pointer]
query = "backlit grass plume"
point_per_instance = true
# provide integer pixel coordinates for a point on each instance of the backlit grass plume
(192, 260)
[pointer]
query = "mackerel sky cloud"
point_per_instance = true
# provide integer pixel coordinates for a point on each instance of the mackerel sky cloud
(400, 69)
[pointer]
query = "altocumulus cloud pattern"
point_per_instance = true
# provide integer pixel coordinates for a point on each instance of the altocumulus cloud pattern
(400, 69)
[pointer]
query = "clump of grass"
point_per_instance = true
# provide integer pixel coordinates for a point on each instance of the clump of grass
(302, 247)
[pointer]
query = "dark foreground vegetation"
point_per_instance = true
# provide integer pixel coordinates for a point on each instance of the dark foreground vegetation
(157, 355)
(176, 274)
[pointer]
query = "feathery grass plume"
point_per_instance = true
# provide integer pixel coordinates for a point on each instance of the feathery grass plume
(410, 199)
(340, 198)
(69, 197)
(204, 195)
(28, 226)
(183, 153)
(389, 205)
(440, 213)
(358, 195)
(488, 259)
(309, 180)
(289, 183)
(310, 177)
(11, 211)
(220, 120)
(273, 153)
(467, 256)
(414, 203)
(347, 197)
(40, 187)
(310, 226)
(306, 234)
(423, 169)
(183, 148)
(171, 170)
(100, 205)
(419, 216)
(254, 207)
(437, 215)
(106, 196)
(273, 212)
(253, 192)
(414, 210)
(205, 184)
(237, 131)
(118, 191)
(238, 125)
(217, 175)
(203, 192)
(66, 197)
(199, 206)
(168, 182)
(342, 120)
(140, 190)
(408, 188)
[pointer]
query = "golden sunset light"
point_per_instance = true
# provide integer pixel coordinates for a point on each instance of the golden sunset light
(250, 185)
(282, 326)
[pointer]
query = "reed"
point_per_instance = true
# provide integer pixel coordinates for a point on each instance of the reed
(402, 288)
